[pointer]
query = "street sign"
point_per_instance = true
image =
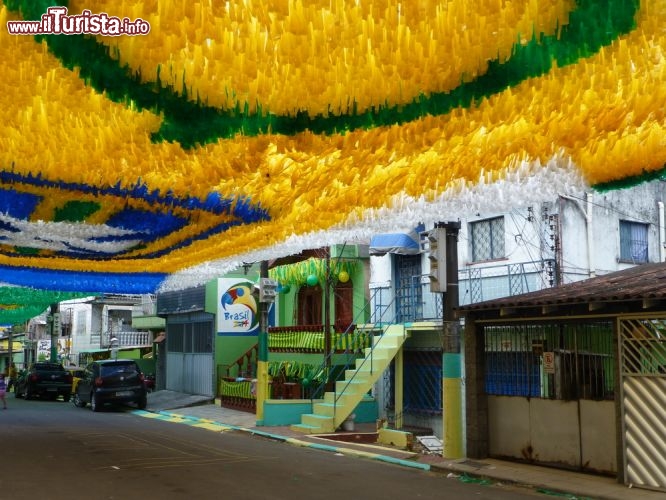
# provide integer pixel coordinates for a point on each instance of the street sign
(56, 324)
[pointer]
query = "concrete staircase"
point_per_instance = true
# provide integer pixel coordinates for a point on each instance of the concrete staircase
(329, 413)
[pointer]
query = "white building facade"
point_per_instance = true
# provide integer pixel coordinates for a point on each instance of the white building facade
(500, 254)
(101, 323)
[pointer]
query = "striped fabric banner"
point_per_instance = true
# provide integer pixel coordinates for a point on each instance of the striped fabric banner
(185, 138)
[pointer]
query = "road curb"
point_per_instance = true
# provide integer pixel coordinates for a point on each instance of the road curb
(294, 441)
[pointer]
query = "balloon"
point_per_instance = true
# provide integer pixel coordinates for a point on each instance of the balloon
(312, 280)
(305, 382)
(284, 288)
(343, 277)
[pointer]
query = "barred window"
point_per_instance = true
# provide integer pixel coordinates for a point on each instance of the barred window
(175, 338)
(487, 238)
(633, 242)
(422, 382)
(552, 361)
(190, 337)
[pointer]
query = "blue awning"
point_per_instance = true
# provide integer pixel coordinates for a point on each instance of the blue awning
(400, 243)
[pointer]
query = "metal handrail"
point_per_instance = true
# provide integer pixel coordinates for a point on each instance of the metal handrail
(357, 371)
(326, 363)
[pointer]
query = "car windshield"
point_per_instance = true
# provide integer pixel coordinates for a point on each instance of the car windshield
(48, 366)
(117, 369)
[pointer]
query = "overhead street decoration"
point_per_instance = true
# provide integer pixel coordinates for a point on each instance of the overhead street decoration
(218, 133)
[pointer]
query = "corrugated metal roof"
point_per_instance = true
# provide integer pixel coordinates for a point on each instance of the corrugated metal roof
(639, 283)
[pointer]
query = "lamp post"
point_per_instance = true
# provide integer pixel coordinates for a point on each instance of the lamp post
(10, 347)
(327, 312)
(54, 324)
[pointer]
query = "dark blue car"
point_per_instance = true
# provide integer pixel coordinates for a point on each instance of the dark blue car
(111, 382)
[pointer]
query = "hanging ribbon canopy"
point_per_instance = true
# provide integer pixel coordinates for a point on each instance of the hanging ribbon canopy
(313, 271)
(177, 140)
(18, 305)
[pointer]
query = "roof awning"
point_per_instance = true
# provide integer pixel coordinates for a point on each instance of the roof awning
(399, 243)
(16, 346)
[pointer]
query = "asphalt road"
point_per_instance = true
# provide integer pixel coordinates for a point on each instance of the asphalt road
(53, 450)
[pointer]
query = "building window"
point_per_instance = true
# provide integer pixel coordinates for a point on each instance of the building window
(582, 360)
(487, 238)
(633, 242)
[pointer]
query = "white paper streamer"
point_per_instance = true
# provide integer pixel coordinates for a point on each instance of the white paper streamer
(521, 185)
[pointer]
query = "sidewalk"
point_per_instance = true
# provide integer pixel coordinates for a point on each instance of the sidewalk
(556, 482)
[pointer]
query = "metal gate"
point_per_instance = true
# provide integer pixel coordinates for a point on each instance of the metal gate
(408, 293)
(643, 372)
(190, 356)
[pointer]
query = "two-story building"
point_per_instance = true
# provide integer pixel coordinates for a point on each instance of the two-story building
(502, 254)
(100, 326)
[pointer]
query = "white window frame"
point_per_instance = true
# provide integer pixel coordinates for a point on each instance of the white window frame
(634, 242)
(497, 248)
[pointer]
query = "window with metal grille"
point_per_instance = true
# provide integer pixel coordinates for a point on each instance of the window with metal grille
(633, 242)
(567, 361)
(190, 337)
(487, 237)
(202, 337)
(422, 389)
(175, 337)
(408, 293)
(423, 381)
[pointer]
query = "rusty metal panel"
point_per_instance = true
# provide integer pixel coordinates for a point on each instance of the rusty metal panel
(643, 368)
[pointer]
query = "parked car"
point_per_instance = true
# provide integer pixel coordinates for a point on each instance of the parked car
(111, 381)
(150, 382)
(46, 380)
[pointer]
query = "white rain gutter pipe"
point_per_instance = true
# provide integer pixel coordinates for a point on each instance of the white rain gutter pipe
(587, 213)
(662, 232)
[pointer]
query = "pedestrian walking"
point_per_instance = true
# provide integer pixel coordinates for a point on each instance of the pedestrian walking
(3, 390)
(12, 373)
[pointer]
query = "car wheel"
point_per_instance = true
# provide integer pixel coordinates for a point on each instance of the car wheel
(142, 403)
(78, 402)
(94, 404)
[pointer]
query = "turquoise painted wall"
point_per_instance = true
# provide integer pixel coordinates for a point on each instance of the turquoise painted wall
(279, 412)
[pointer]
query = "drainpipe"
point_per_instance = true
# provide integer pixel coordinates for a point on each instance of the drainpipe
(587, 213)
(662, 233)
(590, 236)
